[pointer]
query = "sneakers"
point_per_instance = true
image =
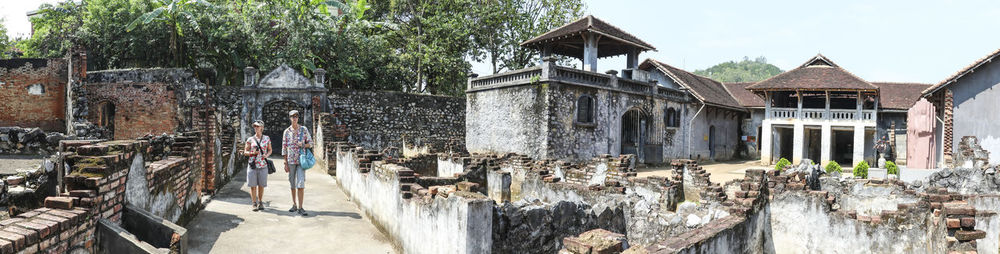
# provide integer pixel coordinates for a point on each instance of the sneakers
(256, 207)
(293, 209)
(302, 212)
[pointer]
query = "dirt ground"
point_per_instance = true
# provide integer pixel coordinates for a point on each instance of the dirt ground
(722, 171)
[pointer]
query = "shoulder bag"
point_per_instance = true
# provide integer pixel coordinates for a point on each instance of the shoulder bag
(270, 164)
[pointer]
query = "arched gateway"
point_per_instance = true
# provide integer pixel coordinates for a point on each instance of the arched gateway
(271, 98)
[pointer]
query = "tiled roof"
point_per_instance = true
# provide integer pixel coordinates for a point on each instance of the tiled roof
(899, 95)
(703, 88)
(589, 23)
(960, 73)
(819, 73)
(745, 97)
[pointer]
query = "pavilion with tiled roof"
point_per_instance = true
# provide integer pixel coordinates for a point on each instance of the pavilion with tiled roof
(582, 38)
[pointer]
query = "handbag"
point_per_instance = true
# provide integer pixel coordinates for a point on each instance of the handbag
(270, 164)
(306, 159)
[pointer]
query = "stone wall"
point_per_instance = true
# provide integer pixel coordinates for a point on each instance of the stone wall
(509, 120)
(33, 92)
(16, 140)
(145, 101)
(416, 218)
(409, 122)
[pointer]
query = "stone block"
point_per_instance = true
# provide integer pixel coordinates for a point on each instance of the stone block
(939, 198)
(576, 246)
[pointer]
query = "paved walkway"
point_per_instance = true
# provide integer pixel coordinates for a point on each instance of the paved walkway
(334, 224)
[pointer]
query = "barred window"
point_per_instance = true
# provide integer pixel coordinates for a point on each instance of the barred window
(671, 118)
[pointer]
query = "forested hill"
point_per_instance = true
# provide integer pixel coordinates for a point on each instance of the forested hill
(743, 71)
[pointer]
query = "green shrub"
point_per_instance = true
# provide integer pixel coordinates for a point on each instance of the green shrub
(892, 168)
(861, 169)
(781, 164)
(833, 166)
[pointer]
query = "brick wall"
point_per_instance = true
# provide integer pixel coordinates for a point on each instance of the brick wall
(146, 101)
(33, 92)
(139, 109)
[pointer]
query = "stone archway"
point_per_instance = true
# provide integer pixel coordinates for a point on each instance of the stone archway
(280, 91)
(275, 116)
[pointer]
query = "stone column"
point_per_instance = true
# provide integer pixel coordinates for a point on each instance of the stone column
(859, 144)
(590, 52)
(826, 137)
(798, 141)
(765, 142)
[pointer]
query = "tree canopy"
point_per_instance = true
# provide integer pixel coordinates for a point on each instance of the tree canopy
(404, 45)
(743, 71)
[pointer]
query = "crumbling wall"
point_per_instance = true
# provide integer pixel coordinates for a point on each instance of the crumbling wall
(509, 120)
(417, 219)
(146, 101)
(16, 140)
(410, 122)
(33, 92)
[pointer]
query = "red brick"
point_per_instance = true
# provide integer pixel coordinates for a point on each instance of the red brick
(952, 223)
(968, 222)
(964, 235)
(64, 203)
(83, 193)
(962, 210)
(6, 246)
(43, 230)
(17, 239)
(30, 236)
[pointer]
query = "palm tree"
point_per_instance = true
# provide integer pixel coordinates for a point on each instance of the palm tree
(172, 13)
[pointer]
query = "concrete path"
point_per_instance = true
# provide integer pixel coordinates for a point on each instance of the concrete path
(334, 224)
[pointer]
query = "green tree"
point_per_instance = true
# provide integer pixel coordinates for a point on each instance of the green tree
(743, 71)
(503, 25)
(5, 43)
(172, 13)
(56, 30)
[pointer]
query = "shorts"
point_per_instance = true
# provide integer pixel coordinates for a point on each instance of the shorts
(296, 176)
(256, 177)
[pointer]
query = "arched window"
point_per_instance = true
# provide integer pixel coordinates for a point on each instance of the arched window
(585, 109)
(671, 118)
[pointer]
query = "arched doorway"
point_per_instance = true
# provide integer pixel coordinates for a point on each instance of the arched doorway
(106, 117)
(635, 134)
(275, 117)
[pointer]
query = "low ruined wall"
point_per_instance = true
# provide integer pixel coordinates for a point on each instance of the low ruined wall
(523, 227)
(988, 221)
(380, 119)
(803, 222)
(17, 140)
(416, 222)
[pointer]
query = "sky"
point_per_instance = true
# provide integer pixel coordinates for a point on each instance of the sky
(897, 41)
(886, 40)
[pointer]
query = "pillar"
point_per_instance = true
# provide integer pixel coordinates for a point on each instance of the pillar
(798, 141)
(590, 53)
(826, 137)
(859, 144)
(632, 59)
(765, 143)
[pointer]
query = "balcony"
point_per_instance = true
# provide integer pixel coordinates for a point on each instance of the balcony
(821, 114)
(549, 72)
